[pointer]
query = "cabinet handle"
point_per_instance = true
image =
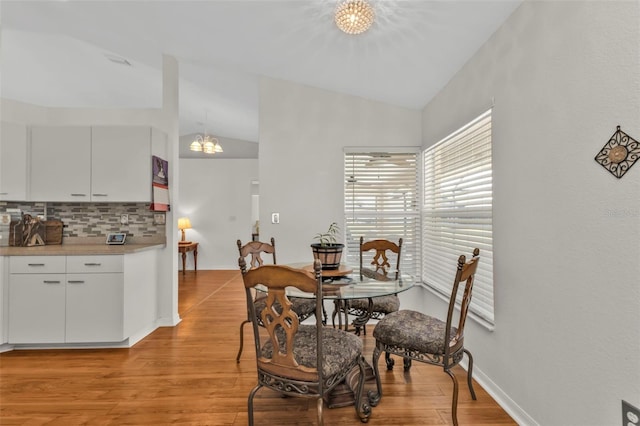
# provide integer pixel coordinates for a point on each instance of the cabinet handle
(92, 264)
(51, 282)
(100, 195)
(75, 282)
(35, 264)
(78, 195)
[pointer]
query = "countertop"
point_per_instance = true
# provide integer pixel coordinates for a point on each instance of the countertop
(84, 247)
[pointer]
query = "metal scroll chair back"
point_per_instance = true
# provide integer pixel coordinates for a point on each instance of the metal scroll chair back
(380, 261)
(290, 356)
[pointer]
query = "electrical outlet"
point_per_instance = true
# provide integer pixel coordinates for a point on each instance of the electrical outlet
(275, 217)
(124, 219)
(630, 414)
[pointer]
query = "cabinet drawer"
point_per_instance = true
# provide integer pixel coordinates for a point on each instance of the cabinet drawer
(94, 264)
(37, 264)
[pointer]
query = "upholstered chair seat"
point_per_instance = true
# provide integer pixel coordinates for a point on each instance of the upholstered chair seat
(383, 304)
(339, 350)
(413, 331)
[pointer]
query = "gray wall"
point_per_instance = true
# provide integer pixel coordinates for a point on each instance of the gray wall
(216, 196)
(303, 132)
(566, 232)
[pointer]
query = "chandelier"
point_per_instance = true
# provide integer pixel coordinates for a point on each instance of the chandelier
(207, 144)
(354, 16)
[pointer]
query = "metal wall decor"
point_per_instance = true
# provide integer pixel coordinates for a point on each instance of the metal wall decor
(619, 153)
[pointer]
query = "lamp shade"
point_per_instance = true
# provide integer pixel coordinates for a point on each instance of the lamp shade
(184, 223)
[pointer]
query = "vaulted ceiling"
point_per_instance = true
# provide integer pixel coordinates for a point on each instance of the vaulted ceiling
(61, 53)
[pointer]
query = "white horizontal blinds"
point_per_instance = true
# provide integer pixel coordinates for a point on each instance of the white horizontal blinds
(457, 211)
(381, 202)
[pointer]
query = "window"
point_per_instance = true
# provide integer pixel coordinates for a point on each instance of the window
(457, 211)
(381, 201)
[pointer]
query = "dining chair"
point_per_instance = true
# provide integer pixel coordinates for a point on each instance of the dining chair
(379, 252)
(420, 337)
(294, 359)
(303, 307)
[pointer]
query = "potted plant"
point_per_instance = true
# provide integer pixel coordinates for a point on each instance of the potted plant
(327, 249)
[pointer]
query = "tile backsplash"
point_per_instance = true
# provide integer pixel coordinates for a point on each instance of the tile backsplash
(95, 219)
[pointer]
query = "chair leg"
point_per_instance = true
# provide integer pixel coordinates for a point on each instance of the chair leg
(319, 405)
(241, 339)
(470, 373)
(374, 397)
(250, 403)
(363, 410)
(454, 404)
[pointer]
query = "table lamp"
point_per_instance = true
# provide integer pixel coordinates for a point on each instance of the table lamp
(184, 223)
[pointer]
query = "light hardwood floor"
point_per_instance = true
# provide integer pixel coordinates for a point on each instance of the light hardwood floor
(188, 375)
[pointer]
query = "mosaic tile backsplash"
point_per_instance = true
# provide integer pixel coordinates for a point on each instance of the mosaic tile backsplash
(95, 219)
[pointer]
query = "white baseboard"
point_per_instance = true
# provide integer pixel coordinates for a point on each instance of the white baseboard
(503, 400)
(5, 347)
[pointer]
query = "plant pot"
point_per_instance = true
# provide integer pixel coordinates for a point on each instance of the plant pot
(329, 255)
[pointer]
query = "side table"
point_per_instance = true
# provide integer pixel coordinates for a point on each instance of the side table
(184, 249)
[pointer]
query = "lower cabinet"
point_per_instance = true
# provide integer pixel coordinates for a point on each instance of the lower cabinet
(66, 299)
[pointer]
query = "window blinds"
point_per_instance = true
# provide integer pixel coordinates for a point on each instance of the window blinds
(381, 202)
(457, 211)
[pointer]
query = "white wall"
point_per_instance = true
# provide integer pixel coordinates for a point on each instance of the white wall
(216, 196)
(566, 344)
(303, 131)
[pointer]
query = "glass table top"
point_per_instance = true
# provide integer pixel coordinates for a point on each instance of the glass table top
(351, 286)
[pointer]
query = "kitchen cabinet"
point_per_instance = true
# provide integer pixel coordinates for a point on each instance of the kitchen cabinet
(66, 299)
(60, 163)
(121, 163)
(96, 164)
(13, 161)
(37, 299)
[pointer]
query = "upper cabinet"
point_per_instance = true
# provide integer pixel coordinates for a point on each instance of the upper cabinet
(121, 163)
(13, 161)
(97, 164)
(60, 163)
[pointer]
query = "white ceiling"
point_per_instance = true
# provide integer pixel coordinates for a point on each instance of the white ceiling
(53, 53)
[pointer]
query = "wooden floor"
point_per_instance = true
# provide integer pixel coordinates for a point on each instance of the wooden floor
(188, 375)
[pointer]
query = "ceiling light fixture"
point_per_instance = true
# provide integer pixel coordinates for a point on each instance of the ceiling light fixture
(354, 16)
(205, 143)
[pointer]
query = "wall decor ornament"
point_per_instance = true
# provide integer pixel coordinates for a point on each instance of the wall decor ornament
(619, 153)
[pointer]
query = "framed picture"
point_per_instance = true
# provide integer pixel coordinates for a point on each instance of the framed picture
(116, 238)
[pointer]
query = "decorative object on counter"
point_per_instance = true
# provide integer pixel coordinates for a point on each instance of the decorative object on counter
(327, 249)
(30, 231)
(184, 223)
(116, 238)
(619, 153)
(53, 234)
(160, 184)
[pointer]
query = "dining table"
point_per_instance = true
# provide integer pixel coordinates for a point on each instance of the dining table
(346, 283)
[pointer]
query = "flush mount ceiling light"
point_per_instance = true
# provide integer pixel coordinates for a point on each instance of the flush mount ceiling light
(205, 143)
(354, 16)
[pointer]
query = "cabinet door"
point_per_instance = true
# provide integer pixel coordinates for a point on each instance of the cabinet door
(60, 163)
(121, 163)
(95, 306)
(36, 308)
(13, 161)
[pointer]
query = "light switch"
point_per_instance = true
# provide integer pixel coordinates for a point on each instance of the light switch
(275, 217)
